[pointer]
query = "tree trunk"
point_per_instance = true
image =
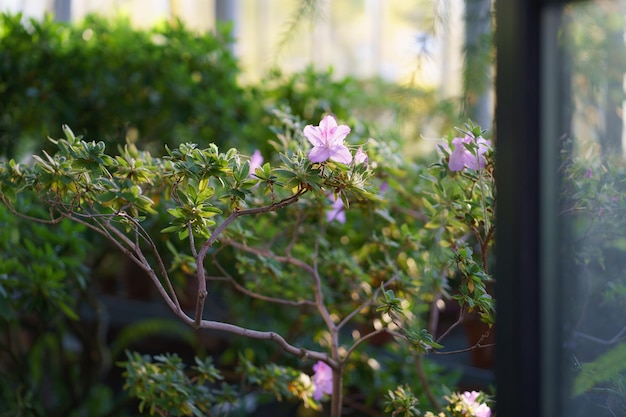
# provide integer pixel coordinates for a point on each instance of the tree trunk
(336, 402)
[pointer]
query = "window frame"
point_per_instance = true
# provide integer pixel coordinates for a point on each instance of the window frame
(528, 328)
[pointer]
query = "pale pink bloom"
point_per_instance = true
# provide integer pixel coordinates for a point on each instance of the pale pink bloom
(337, 211)
(360, 156)
(461, 157)
(322, 379)
(256, 160)
(470, 397)
(327, 140)
(477, 409)
(482, 411)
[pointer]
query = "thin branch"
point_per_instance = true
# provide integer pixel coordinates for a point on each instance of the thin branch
(192, 241)
(311, 270)
(266, 253)
(307, 9)
(202, 292)
(9, 205)
(367, 303)
(256, 295)
(417, 360)
(614, 339)
(319, 301)
(368, 336)
(477, 345)
(147, 239)
(201, 280)
(236, 214)
(294, 235)
(115, 236)
(483, 248)
(413, 213)
(433, 319)
(453, 326)
(454, 352)
(261, 335)
(104, 229)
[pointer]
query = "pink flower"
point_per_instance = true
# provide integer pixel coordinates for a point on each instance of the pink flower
(327, 140)
(482, 411)
(461, 157)
(322, 379)
(360, 156)
(256, 160)
(337, 211)
(470, 397)
(477, 409)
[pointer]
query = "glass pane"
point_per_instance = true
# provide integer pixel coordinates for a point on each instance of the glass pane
(586, 111)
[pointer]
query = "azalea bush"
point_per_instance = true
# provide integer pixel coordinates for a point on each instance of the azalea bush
(80, 274)
(340, 246)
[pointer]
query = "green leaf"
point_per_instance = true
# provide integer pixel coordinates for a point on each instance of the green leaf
(171, 229)
(603, 369)
(67, 310)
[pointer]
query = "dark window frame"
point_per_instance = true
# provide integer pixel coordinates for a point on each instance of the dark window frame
(528, 336)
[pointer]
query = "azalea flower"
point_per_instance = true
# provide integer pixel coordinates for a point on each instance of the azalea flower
(384, 186)
(327, 140)
(322, 379)
(469, 398)
(360, 156)
(467, 405)
(337, 211)
(256, 160)
(482, 411)
(470, 403)
(461, 157)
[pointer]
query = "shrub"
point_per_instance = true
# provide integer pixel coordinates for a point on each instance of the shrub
(113, 82)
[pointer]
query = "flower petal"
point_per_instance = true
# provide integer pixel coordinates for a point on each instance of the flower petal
(327, 123)
(457, 158)
(319, 154)
(338, 135)
(337, 211)
(256, 160)
(322, 379)
(340, 154)
(360, 156)
(482, 411)
(314, 135)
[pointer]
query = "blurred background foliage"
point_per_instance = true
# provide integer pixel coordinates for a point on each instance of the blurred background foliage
(115, 84)
(165, 84)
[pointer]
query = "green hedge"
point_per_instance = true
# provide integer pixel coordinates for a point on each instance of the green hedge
(109, 81)
(168, 85)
